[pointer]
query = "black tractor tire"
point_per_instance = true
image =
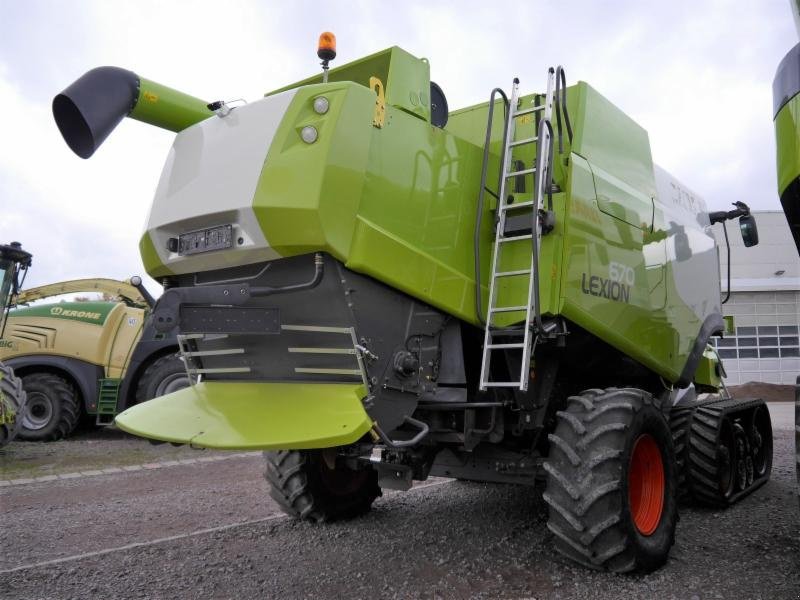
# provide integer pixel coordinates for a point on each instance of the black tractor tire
(12, 404)
(612, 481)
(53, 408)
(305, 487)
(164, 375)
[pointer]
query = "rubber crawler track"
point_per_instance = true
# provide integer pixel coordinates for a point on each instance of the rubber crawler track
(696, 435)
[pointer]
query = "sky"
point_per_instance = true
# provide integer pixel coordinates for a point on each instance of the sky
(696, 75)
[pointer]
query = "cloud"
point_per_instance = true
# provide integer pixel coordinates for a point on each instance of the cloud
(697, 77)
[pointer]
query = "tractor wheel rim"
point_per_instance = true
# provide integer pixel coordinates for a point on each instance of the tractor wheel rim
(646, 484)
(172, 383)
(38, 412)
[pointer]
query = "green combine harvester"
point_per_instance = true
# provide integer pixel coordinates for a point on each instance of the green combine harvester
(374, 290)
(786, 113)
(14, 263)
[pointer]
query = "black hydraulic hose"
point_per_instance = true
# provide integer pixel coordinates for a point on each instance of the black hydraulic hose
(561, 100)
(728, 246)
(479, 216)
(265, 290)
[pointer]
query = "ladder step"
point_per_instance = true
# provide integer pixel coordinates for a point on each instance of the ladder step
(507, 309)
(514, 205)
(514, 238)
(506, 331)
(522, 172)
(514, 384)
(523, 141)
(497, 346)
(527, 111)
(513, 273)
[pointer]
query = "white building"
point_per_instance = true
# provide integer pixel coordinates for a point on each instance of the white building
(764, 301)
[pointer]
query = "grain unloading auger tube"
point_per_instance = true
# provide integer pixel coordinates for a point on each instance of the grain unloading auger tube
(332, 264)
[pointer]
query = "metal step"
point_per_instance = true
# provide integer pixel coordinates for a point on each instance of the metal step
(514, 238)
(528, 111)
(497, 309)
(513, 205)
(522, 172)
(523, 141)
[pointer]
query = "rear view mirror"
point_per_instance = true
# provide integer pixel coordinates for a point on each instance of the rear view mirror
(747, 225)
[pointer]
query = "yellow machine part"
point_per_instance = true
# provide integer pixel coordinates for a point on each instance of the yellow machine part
(109, 344)
(253, 416)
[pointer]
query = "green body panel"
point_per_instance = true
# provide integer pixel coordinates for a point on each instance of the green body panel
(150, 259)
(707, 373)
(787, 125)
(308, 194)
(253, 416)
(396, 202)
(95, 313)
(167, 108)
(406, 79)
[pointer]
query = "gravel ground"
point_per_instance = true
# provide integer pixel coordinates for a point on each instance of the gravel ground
(444, 539)
(86, 450)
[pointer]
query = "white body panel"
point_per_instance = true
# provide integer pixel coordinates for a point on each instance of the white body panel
(210, 179)
(690, 246)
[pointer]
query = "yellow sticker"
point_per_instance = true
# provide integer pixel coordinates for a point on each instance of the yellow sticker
(150, 97)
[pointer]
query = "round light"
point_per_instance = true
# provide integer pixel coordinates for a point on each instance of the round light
(321, 105)
(309, 134)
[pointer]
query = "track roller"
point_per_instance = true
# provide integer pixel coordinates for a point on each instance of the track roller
(723, 448)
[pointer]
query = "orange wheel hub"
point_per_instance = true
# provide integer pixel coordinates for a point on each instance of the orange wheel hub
(646, 485)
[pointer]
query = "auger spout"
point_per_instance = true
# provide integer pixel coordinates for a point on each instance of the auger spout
(89, 109)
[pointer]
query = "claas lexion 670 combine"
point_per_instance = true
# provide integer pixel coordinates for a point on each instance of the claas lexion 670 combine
(375, 290)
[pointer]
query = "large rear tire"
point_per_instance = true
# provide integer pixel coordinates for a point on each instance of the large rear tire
(52, 411)
(163, 376)
(12, 404)
(305, 486)
(612, 482)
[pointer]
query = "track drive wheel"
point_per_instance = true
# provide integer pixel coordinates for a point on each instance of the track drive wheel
(611, 481)
(163, 376)
(12, 404)
(308, 485)
(52, 411)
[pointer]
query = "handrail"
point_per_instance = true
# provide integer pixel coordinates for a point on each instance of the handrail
(483, 189)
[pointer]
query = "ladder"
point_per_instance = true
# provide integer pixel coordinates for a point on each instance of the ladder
(541, 174)
(107, 401)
